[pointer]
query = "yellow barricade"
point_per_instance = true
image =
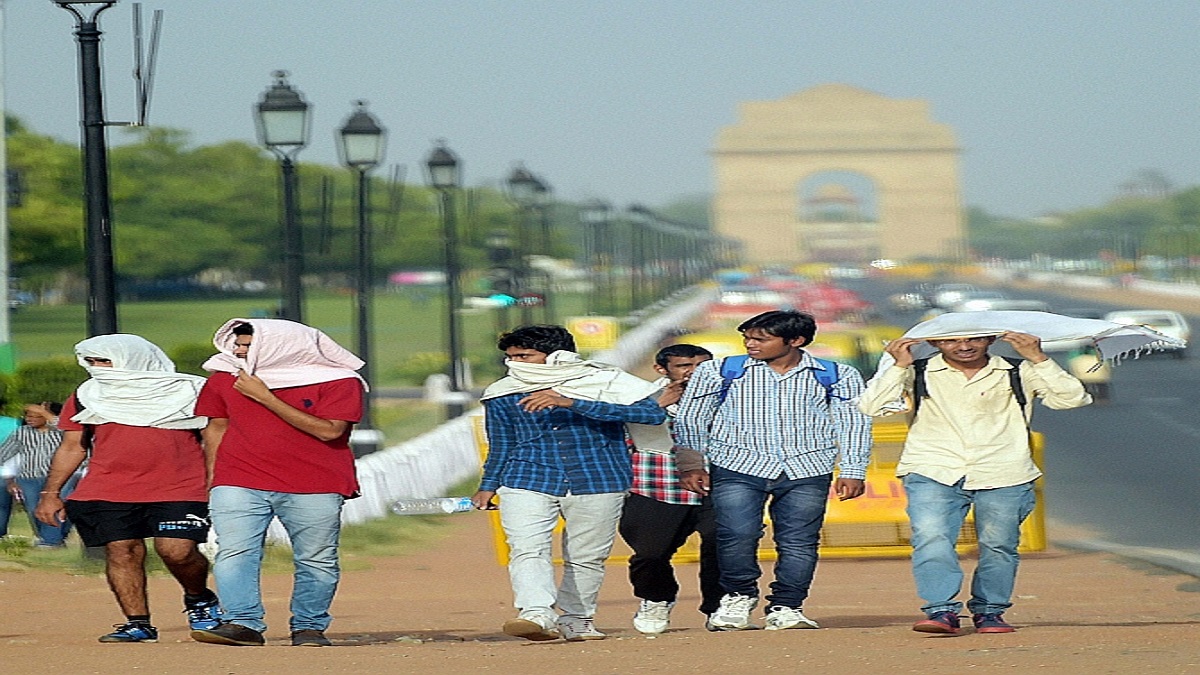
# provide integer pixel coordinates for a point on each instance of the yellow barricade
(871, 526)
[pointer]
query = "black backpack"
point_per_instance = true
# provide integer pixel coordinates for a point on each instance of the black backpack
(920, 391)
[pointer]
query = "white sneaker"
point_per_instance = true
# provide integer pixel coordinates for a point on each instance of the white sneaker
(782, 618)
(574, 629)
(534, 627)
(733, 614)
(653, 617)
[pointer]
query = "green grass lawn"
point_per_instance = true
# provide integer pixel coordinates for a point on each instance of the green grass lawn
(406, 326)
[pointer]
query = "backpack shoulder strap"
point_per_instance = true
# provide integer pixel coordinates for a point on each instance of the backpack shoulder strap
(919, 389)
(732, 368)
(827, 377)
(1014, 380)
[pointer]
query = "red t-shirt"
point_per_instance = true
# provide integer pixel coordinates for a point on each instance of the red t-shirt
(138, 464)
(262, 452)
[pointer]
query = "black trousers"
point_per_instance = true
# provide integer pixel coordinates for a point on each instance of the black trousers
(655, 530)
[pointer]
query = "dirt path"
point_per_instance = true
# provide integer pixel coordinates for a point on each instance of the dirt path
(440, 612)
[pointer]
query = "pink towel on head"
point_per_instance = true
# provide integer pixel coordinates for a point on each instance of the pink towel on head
(284, 354)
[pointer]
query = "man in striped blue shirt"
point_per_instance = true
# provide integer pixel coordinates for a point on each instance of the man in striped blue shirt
(773, 435)
(556, 448)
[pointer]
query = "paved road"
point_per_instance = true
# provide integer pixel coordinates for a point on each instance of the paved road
(1126, 472)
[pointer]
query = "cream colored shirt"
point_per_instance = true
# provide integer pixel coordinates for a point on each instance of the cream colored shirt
(972, 428)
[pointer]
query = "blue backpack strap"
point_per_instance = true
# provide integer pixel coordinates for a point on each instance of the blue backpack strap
(827, 377)
(732, 368)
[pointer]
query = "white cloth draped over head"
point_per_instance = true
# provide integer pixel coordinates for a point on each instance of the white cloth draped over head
(570, 375)
(141, 389)
(1112, 341)
(284, 354)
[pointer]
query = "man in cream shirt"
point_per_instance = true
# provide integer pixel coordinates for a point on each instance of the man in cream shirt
(968, 445)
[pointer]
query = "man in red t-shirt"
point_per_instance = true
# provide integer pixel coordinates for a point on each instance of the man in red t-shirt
(281, 401)
(145, 476)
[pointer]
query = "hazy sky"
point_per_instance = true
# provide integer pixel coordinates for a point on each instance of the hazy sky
(1055, 102)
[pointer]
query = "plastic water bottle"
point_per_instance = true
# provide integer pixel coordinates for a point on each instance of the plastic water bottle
(419, 507)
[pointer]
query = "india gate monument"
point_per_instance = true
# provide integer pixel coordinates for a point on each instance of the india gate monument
(838, 174)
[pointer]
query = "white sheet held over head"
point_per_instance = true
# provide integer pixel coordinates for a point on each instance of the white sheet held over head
(1113, 341)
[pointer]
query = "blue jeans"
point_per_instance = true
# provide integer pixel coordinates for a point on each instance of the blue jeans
(240, 517)
(936, 512)
(797, 508)
(47, 535)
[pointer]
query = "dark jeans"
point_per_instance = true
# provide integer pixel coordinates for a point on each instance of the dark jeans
(797, 508)
(655, 530)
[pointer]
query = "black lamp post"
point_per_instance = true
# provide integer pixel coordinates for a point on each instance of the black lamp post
(102, 295)
(522, 187)
(282, 120)
(639, 222)
(597, 251)
(543, 200)
(361, 149)
(444, 177)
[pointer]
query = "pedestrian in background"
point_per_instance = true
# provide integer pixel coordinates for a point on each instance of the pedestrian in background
(659, 514)
(8, 469)
(33, 445)
(968, 448)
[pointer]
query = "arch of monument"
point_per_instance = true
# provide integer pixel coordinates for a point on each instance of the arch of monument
(763, 161)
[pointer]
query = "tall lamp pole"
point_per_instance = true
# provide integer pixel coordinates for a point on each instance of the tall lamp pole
(361, 149)
(543, 198)
(595, 215)
(521, 189)
(102, 295)
(444, 177)
(283, 126)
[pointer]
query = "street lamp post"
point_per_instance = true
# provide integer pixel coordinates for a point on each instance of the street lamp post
(283, 126)
(102, 295)
(521, 189)
(444, 177)
(361, 149)
(595, 215)
(542, 201)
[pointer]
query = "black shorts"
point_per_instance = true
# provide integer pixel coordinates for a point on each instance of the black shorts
(101, 522)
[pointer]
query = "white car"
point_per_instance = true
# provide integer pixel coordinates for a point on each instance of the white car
(1166, 322)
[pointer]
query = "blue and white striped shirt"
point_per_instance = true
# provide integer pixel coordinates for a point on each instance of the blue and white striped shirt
(771, 425)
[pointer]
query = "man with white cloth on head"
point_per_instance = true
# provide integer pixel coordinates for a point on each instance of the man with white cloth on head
(135, 417)
(968, 446)
(281, 400)
(556, 447)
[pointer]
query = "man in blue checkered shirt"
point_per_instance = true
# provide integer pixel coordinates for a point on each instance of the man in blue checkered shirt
(773, 435)
(556, 448)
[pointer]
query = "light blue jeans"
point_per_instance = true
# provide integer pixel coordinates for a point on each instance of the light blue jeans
(240, 517)
(937, 512)
(47, 535)
(528, 519)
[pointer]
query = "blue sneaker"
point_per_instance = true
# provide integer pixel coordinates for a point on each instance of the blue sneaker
(203, 615)
(131, 632)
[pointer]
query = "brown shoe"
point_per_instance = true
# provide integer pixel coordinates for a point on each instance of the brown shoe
(230, 634)
(530, 630)
(310, 638)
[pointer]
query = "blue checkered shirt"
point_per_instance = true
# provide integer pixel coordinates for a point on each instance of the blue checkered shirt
(771, 424)
(578, 450)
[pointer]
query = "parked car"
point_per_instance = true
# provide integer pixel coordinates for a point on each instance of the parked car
(1164, 321)
(1001, 304)
(948, 295)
